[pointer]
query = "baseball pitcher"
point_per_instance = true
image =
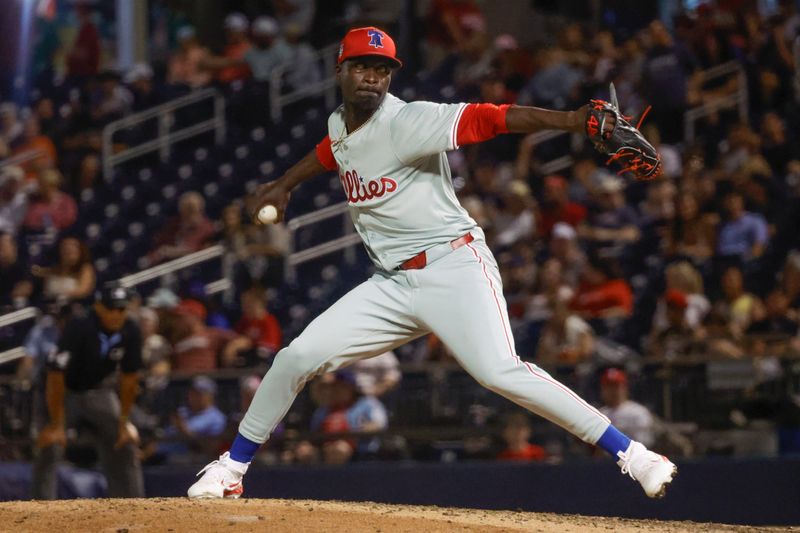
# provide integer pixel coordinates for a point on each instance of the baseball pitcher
(435, 272)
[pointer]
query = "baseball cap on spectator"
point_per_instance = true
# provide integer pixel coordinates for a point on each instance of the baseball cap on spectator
(163, 298)
(140, 71)
(185, 32)
(613, 376)
(676, 298)
(236, 22)
(204, 384)
(562, 230)
(114, 296)
(265, 26)
(193, 308)
(368, 41)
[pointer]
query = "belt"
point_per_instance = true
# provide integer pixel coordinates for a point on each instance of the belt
(430, 255)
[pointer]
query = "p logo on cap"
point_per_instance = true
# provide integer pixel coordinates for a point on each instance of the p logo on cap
(368, 41)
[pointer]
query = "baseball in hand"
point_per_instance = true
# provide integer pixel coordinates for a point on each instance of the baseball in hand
(268, 214)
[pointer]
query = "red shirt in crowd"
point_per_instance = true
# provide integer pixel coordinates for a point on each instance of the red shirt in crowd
(61, 211)
(531, 452)
(84, 59)
(593, 300)
(264, 332)
(571, 214)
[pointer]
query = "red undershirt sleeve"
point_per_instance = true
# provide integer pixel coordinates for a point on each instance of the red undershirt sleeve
(325, 154)
(481, 122)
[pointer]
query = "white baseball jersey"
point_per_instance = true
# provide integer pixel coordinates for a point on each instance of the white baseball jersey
(397, 180)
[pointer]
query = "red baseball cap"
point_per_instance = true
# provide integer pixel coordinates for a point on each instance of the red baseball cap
(676, 298)
(369, 41)
(613, 376)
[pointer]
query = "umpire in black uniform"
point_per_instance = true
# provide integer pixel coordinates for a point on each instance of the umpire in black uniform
(81, 378)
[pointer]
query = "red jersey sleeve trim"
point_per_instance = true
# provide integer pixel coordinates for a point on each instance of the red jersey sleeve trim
(480, 122)
(325, 154)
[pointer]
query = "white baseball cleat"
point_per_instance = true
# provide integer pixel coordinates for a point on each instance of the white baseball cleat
(654, 472)
(221, 479)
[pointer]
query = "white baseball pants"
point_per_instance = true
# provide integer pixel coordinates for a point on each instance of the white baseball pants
(459, 298)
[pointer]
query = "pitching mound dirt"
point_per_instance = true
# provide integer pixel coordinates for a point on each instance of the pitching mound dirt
(297, 516)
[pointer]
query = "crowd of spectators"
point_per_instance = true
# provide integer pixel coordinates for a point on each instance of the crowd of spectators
(598, 270)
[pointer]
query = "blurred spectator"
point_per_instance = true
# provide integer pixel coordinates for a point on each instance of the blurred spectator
(452, 27)
(611, 224)
(677, 337)
(32, 140)
(743, 235)
(564, 247)
(776, 319)
(258, 325)
(41, 343)
(666, 75)
(84, 58)
(692, 234)
(790, 280)
(348, 412)
(88, 175)
(516, 436)
(684, 278)
(268, 50)
(188, 232)
(185, 65)
(253, 253)
(11, 127)
(776, 145)
(15, 285)
(49, 208)
(631, 418)
(112, 100)
(556, 83)
(305, 70)
(139, 80)
(377, 376)
(155, 348)
(199, 348)
(73, 277)
(734, 314)
(557, 207)
(13, 199)
(198, 424)
(602, 293)
(516, 221)
(298, 14)
(565, 339)
(237, 44)
(551, 288)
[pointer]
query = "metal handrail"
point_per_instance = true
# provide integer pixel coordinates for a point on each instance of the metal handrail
(23, 157)
(326, 86)
(347, 242)
(166, 138)
(169, 267)
(737, 99)
(18, 316)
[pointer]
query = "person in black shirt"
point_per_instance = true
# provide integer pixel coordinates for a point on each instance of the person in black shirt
(79, 391)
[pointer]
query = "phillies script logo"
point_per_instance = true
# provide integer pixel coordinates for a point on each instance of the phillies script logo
(358, 191)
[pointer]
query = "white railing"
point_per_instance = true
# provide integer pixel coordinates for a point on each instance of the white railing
(18, 159)
(737, 99)
(165, 113)
(158, 271)
(348, 241)
(324, 58)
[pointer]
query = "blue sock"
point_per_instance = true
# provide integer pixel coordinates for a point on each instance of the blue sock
(243, 450)
(613, 441)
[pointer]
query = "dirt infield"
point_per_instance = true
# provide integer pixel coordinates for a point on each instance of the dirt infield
(298, 516)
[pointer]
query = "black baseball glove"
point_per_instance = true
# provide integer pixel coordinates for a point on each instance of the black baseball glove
(620, 140)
